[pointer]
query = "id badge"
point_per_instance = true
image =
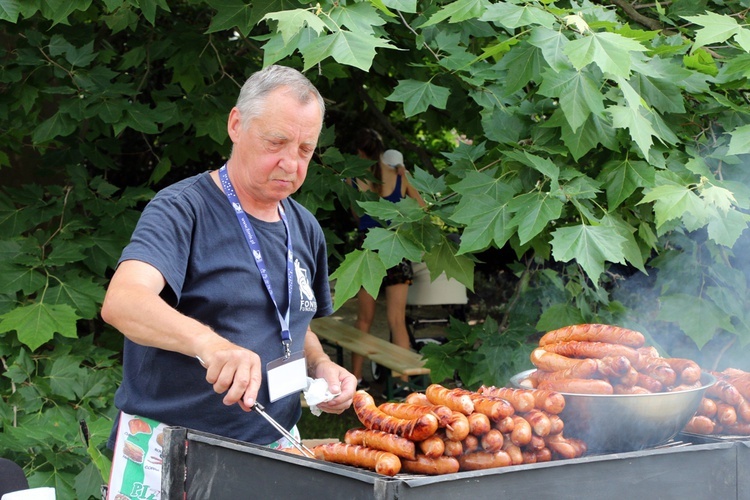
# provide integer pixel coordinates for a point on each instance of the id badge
(286, 376)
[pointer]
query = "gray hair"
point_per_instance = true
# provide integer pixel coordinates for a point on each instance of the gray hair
(252, 98)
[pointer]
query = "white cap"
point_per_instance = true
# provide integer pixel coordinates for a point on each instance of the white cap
(393, 158)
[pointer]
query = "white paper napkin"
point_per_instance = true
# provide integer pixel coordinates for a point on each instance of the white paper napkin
(317, 392)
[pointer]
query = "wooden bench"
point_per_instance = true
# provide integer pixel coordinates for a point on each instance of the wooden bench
(396, 359)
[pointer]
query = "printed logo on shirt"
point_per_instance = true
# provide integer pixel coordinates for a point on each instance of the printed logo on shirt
(307, 297)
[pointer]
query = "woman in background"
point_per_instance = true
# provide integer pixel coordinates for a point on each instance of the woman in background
(391, 183)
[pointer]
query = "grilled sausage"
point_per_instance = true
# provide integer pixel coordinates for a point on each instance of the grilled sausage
(578, 386)
(657, 368)
(373, 417)
(455, 400)
(594, 332)
(381, 462)
(478, 460)
(585, 368)
(410, 411)
(724, 391)
(458, 427)
(383, 441)
(725, 414)
(492, 440)
(479, 424)
(613, 366)
(576, 349)
(549, 401)
(707, 408)
(432, 447)
(430, 466)
(521, 433)
(687, 370)
(550, 361)
(700, 424)
(540, 423)
(470, 443)
(505, 425)
(521, 399)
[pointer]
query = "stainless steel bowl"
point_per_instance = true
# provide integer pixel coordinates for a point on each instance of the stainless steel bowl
(626, 422)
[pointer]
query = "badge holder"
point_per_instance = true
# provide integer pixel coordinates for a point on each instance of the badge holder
(286, 376)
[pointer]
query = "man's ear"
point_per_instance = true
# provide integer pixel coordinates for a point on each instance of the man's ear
(234, 124)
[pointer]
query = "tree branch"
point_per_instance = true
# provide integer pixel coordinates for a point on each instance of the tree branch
(636, 16)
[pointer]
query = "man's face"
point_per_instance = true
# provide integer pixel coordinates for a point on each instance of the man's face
(270, 157)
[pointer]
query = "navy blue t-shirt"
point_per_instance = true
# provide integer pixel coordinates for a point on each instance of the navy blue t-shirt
(190, 233)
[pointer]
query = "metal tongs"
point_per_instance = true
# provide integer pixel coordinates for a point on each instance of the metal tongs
(293, 439)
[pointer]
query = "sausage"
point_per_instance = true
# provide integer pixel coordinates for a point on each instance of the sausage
(417, 398)
(540, 423)
(657, 368)
(381, 462)
(707, 408)
(380, 440)
(629, 379)
(516, 457)
(740, 380)
(700, 424)
(685, 387)
(724, 391)
(505, 425)
(543, 455)
(529, 456)
(410, 411)
(521, 433)
(432, 447)
(536, 443)
(578, 386)
(583, 349)
(561, 446)
(594, 332)
(549, 401)
(430, 466)
(479, 424)
(492, 441)
(688, 371)
(725, 414)
(494, 407)
(650, 383)
(737, 429)
(470, 443)
(586, 368)
(478, 460)
(373, 417)
(553, 362)
(458, 427)
(556, 424)
(453, 448)
(521, 399)
(456, 401)
(743, 410)
(613, 366)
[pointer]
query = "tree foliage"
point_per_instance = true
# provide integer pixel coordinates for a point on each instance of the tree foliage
(604, 146)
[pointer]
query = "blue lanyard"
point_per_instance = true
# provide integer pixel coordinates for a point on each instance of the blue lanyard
(252, 241)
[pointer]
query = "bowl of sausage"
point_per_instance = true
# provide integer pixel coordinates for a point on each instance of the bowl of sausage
(620, 395)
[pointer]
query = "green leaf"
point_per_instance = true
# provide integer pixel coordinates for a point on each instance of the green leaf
(418, 96)
(639, 128)
(487, 220)
(291, 22)
(359, 269)
(725, 228)
(14, 278)
(673, 201)
(148, 7)
(9, 10)
(552, 43)
(699, 318)
(590, 246)
(557, 316)
(65, 376)
(443, 259)
(37, 323)
(455, 12)
(346, 47)
(533, 211)
(621, 179)
(393, 246)
(663, 95)
(58, 125)
(359, 17)
(514, 16)
(716, 28)
(83, 294)
(231, 14)
(578, 92)
(610, 51)
(739, 144)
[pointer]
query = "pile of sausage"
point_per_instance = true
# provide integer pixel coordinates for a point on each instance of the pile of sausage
(606, 359)
(442, 431)
(725, 407)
